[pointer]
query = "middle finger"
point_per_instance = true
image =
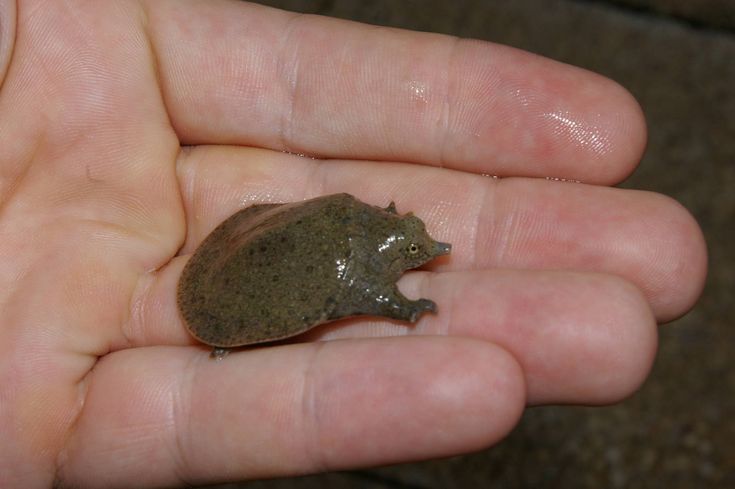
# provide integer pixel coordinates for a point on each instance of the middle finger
(519, 223)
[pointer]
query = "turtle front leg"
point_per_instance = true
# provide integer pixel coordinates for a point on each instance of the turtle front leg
(387, 302)
(408, 310)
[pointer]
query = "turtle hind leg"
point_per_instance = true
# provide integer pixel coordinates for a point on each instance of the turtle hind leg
(219, 353)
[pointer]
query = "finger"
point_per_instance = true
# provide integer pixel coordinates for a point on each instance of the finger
(165, 416)
(643, 237)
(243, 74)
(580, 338)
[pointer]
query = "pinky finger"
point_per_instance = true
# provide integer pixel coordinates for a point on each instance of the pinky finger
(169, 415)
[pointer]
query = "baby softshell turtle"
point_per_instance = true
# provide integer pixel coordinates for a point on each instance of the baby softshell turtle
(271, 271)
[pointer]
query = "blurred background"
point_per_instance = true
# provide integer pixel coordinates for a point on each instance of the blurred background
(678, 58)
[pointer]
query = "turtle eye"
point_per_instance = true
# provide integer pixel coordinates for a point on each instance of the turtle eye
(413, 248)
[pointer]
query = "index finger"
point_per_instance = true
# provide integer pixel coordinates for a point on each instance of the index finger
(243, 74)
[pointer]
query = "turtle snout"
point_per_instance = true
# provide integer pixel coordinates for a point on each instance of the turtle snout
(442, 248)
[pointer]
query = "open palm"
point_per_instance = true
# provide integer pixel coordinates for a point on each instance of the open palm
(129, 129)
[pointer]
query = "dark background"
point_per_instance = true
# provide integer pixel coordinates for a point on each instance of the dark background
(678, 58)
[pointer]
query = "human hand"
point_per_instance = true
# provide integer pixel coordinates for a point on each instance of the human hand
(128, 130)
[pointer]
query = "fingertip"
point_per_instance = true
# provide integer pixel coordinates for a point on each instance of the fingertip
(501, 380)
(455, 395)
(606, 358)
(627, 131)
(543, 118)
(601, 126)
(681, 259)
(622, 347)
(478, 379)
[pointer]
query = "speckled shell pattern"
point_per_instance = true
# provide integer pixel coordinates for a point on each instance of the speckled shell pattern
(272, 271)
